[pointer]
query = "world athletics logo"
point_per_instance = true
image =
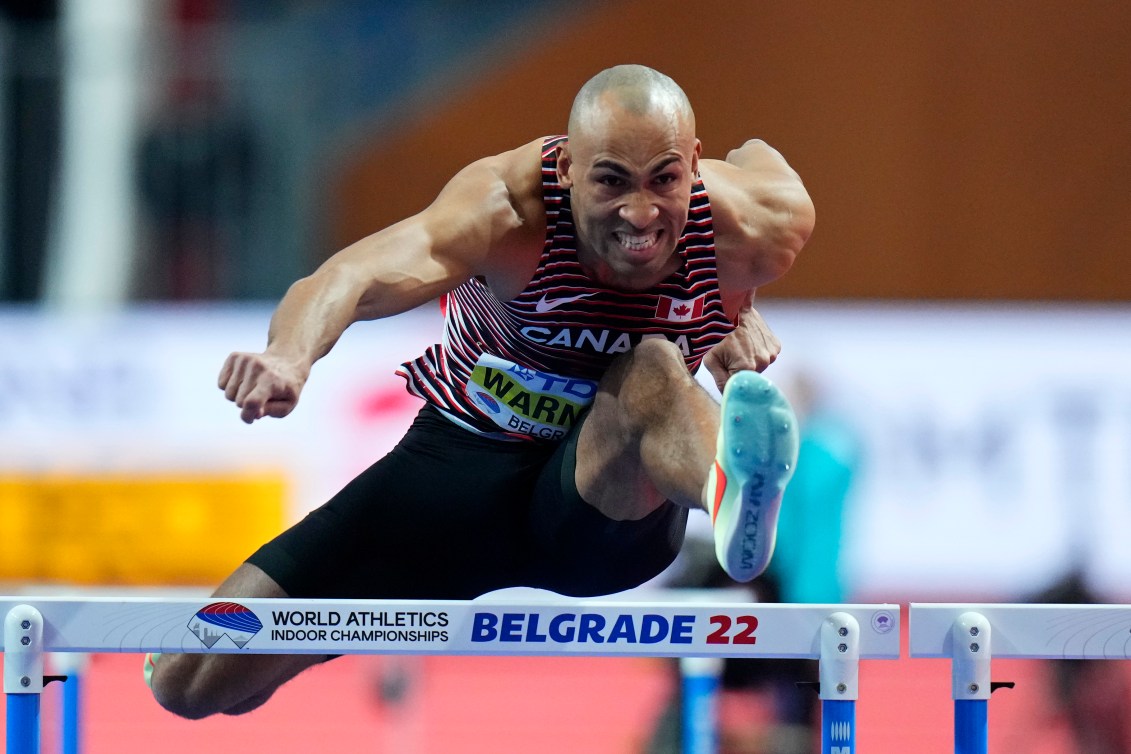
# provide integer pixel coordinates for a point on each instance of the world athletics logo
(229, 619)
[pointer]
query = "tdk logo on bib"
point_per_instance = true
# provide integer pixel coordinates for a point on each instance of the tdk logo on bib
(582, 628)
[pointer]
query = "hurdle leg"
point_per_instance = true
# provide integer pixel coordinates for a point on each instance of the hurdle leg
(23, 677)
(970, 683)
(699, 677)
(72, 666)
(840, 683)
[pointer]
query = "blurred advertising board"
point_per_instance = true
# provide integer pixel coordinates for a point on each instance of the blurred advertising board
(996, 441)
(122, 463)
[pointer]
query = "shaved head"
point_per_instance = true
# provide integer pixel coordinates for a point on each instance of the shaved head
(629, 165)
(636, 89)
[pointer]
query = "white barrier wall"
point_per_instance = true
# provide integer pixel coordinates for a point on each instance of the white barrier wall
(138, 392)
(996, 439)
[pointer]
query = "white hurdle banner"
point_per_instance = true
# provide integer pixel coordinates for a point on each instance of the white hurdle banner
(971, 635)
(837, 635)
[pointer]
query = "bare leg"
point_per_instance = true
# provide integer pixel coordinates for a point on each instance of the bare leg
(653, 434)
(198, 685)
(649, 437)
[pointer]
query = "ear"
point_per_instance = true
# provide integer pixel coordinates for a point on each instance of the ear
(564, 163)
(695, 157)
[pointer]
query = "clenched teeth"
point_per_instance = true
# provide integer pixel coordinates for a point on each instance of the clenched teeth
(636, 243)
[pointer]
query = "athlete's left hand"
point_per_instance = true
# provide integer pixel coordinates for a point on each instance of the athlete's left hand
(752, 345)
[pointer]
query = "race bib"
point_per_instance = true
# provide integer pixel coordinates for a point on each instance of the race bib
(527, 401)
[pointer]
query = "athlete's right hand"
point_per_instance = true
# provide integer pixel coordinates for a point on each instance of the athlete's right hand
(261, 385)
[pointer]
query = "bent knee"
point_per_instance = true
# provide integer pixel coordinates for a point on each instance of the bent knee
(656, 366)
(652, 372)
(178, 686)
(658, 352)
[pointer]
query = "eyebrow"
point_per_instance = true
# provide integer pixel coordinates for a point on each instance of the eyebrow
(619, 169)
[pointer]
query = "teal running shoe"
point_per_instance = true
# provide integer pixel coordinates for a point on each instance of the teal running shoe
(755, 457)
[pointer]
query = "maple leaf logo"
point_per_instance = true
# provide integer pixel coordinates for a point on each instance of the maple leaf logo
(682, 310)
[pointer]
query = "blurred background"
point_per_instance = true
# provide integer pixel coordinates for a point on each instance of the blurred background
(957, 333)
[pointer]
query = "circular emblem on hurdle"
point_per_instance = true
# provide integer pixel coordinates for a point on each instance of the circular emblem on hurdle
(882, 621)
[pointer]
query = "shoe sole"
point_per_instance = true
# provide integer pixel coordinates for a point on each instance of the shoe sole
(755, 458)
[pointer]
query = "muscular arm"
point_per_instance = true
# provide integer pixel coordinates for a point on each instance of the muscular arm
(398, 268)
(763, 216)
(474, 227)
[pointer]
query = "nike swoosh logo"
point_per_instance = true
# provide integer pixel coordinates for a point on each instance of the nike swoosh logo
(544, 304)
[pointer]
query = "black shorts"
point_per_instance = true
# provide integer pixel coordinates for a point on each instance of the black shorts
(448, 514)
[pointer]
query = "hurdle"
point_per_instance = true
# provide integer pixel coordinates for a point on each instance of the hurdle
(971, 635)
(838, 636)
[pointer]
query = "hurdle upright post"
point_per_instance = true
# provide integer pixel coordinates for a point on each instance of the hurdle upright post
(700, 680)
(970, 682)
(839, 668)
(72, 667)
(23, 677)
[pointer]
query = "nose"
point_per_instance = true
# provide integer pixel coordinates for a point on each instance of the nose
(638, 211)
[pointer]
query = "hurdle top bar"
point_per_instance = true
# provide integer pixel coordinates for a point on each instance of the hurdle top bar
(559, 626)
(1082, 632)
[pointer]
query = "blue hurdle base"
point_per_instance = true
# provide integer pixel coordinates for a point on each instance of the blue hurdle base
(71, 709)
(23, 724)
(838, 726)
(971, 726)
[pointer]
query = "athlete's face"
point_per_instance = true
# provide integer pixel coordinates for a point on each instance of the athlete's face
(630, 177)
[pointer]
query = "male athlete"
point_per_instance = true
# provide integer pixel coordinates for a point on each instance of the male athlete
(564, 438)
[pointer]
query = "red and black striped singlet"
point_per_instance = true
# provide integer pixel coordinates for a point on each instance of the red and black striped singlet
(526, 368)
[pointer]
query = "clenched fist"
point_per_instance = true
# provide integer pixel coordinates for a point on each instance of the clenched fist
(261, 384)
(751, 345)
